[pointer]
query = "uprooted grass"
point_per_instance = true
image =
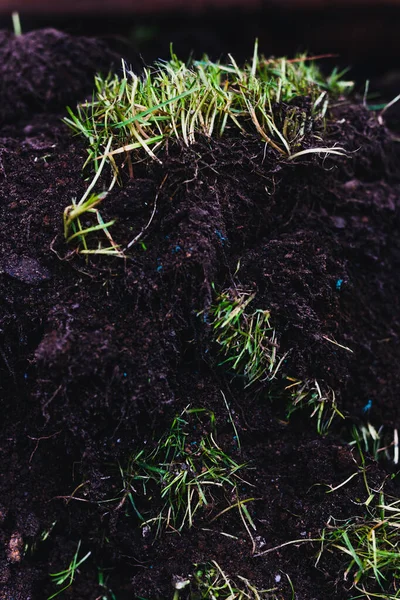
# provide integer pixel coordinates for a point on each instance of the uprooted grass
(315, 396)
(246, 339)
(210, 581)
(181, 476)
(371, 546)
(369, 542)
(250, 348)
(283, 101)
(381, 443)
(131, 117)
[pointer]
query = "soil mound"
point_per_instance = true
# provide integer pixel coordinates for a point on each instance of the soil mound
(97, 357)
(47, 70)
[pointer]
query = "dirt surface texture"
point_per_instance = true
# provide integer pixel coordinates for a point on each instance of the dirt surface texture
(97, 357)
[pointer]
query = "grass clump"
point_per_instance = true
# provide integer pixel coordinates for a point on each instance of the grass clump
(245, 338)
(314, 396)
(131, 117)
(210, 582)
(182, 474)
(371, 546)
(379, 443)
(182, 101)
(249, 344)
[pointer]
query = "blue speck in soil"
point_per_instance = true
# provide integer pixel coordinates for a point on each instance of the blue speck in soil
(176, 249)
(221, 237)
(339, 284)
(25, 375)
(367, 407)
(125, 374)
(159, 268)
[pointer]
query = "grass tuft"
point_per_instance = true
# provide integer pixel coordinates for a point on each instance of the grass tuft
(314, 396)
(181, 476)
(245, 338)
(182, 101)
(371, 547)
(211, 582)
(249, 344)
(379, 443)
(130, 117)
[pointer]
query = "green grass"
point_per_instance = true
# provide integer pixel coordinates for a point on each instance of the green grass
(368, 543)
(246, 339)
(249, 345)
(130, 117)
(379, 443)
(370, 546)
(85, 208)
(174, 100)
(313, 396)
(178, 479)
(67, 576)
(210, 582)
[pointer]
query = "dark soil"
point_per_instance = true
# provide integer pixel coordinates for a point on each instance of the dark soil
(96, 358)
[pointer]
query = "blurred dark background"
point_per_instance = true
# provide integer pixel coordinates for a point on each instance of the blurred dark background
(364, 35)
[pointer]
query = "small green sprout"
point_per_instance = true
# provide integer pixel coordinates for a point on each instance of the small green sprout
(68, 574)
(102, 582)
(16, 21)
(245, 338)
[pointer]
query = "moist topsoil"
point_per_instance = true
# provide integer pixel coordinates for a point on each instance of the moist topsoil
(98, 356)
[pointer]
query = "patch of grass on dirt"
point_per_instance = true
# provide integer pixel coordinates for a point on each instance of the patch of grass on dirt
(283, 101)
(380, 443)
(209, 581)
(249, 344)
(371, 547)
(315, 396)
(245, 338)
(182, 475)
(370, 542)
